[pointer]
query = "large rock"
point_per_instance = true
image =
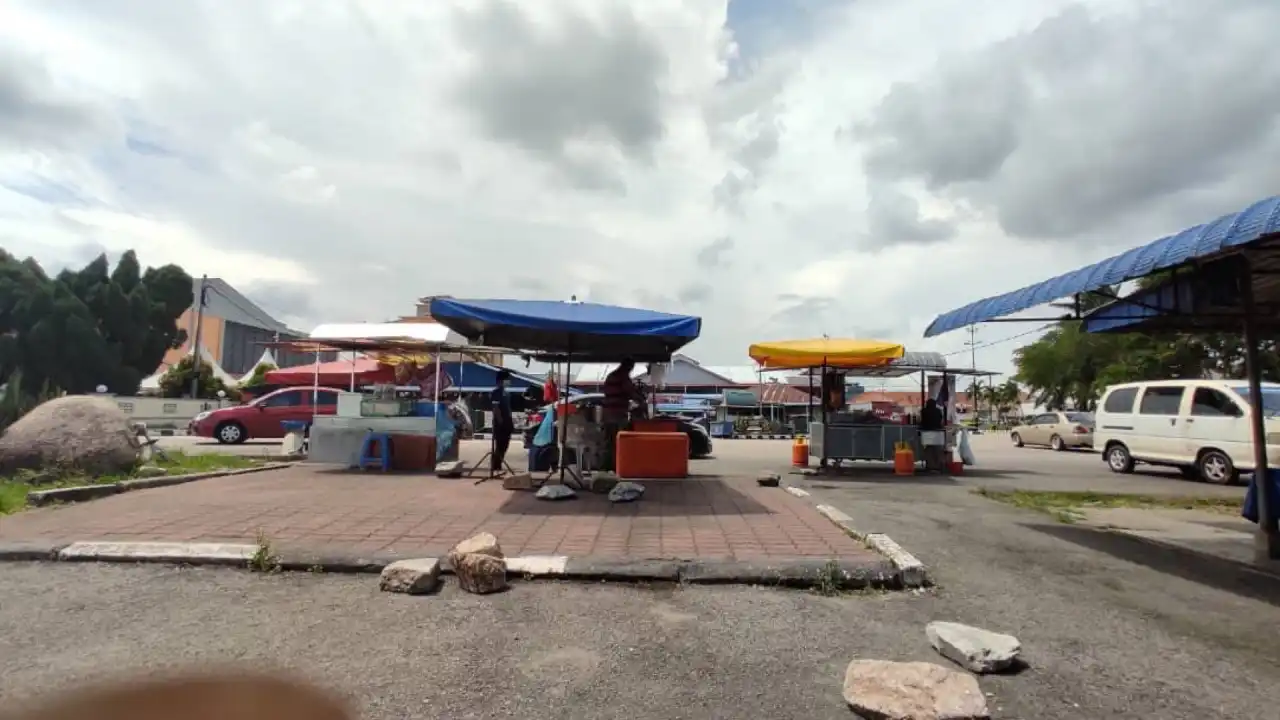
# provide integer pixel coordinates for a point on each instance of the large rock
(912, 691)
(74, 433)
(977, 650)
(479, 544)
(481, 574)
(415, 577)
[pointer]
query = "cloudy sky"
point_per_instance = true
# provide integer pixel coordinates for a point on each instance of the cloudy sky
(783, 168)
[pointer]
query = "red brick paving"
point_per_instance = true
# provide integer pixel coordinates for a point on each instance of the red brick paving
(317, 510)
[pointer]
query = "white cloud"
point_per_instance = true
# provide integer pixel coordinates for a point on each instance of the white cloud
(365, 154)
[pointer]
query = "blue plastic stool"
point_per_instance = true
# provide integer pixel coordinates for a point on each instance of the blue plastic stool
(381, 443)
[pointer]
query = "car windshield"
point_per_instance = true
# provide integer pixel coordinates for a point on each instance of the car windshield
(1079, 417)
(1270, 399)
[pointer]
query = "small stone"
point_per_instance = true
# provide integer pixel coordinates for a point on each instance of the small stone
(450, 469)
(481, 574)
(518, 481)
(555, 492)
(415, 577)
(912, 691)
(603, 482)
(147, 471)
(626, 491)
(479, 544)
(768, 479)
(975, 649)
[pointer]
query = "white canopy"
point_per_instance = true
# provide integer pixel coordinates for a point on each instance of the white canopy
(425, 332)
(267, 357)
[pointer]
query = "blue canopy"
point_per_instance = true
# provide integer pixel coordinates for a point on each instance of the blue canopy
(1228, 232)
(585, 332)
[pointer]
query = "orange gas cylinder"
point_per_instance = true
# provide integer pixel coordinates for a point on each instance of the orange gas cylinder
(904, 460)
(800, 452)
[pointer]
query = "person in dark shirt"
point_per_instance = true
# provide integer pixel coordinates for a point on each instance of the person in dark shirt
(932, 420)
(503, 424)
(931, 416)
(619, 392)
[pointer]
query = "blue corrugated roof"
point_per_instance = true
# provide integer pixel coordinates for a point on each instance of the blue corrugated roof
(1227, 232)
(1142, 305)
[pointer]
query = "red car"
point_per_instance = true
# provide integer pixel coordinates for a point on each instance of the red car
(260, 419)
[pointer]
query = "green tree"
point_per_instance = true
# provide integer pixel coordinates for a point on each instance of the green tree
(259, 377)
(88, 327)
(176, 381)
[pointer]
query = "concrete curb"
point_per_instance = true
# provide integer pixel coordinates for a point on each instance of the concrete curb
(911, 572)
(80, 493)
(834, 573)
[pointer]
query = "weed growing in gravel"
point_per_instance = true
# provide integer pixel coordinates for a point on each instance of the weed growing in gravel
(264, 559)
(830, 579)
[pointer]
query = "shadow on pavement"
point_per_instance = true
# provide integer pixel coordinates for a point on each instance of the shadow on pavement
(1234, 577)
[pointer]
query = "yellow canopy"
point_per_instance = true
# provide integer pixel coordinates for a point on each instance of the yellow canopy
(835, 352)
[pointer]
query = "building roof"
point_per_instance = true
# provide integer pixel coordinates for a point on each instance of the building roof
(224, 301)
(779, 393)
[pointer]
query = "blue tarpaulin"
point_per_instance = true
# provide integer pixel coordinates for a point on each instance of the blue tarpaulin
(588, 332)
(1229, 232)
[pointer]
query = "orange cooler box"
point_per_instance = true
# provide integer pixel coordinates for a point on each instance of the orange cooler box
(652, 455)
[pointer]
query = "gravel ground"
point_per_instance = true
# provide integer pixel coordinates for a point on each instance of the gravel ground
(546, 650)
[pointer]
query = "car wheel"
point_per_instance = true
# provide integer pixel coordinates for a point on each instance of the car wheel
(1056, 443)
(230, 433)
(1119, 459)
(1215, 467)
(1017, 439)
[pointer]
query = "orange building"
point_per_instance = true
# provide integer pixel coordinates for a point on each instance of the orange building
(234, 330)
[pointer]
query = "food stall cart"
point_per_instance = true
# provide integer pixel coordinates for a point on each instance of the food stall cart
(845, 434)
(568, 332)
(410, 418)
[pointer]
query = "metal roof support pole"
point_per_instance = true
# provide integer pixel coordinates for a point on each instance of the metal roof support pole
(1267, 537)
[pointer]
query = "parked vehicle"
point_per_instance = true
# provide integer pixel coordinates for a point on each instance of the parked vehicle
(1058, 430)
(699, 438)
(260, 419)
(1201, 427)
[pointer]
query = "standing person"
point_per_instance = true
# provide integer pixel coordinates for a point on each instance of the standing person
(618, 391)
(932, 421)
(503, 424)
(550, 391)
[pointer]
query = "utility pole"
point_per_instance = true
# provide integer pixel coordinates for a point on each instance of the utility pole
(195, 345)
(973, 365)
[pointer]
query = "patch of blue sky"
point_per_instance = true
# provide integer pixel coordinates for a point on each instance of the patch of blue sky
(762, 27)
(47, 191)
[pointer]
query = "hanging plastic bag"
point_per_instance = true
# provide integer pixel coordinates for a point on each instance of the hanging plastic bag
(966, 452)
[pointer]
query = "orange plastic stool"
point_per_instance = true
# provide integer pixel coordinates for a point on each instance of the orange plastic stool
(652, 454)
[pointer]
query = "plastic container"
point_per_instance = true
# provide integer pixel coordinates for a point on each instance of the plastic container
(1249, 511)
(652, 455)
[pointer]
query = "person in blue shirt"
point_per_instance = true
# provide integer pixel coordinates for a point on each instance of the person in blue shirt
(503, 424)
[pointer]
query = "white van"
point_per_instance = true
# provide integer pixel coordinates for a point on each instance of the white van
(1199, 426)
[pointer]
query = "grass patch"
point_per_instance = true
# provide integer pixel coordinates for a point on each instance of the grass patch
(13, 490)
(1069, 507)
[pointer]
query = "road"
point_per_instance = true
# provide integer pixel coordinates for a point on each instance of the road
(547, 650)
(1105, 636)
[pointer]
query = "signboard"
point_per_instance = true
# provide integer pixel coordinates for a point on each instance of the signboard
(740, 398)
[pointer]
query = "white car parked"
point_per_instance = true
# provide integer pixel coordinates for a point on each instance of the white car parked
(1201, 427)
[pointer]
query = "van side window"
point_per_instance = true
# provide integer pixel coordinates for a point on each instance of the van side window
(1121, 401)
(1208, 402)
(1161, 400)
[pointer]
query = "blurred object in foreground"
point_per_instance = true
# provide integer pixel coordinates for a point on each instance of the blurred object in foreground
(193, 697)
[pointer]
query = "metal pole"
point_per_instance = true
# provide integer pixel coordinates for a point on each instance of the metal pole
(195, 344)
(1266, 538)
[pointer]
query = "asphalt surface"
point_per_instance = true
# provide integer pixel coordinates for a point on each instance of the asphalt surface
(1106, 634)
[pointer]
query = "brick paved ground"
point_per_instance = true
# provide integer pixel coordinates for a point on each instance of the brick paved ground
(306, 508)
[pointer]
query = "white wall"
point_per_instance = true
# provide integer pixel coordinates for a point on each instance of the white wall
(164, 412)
